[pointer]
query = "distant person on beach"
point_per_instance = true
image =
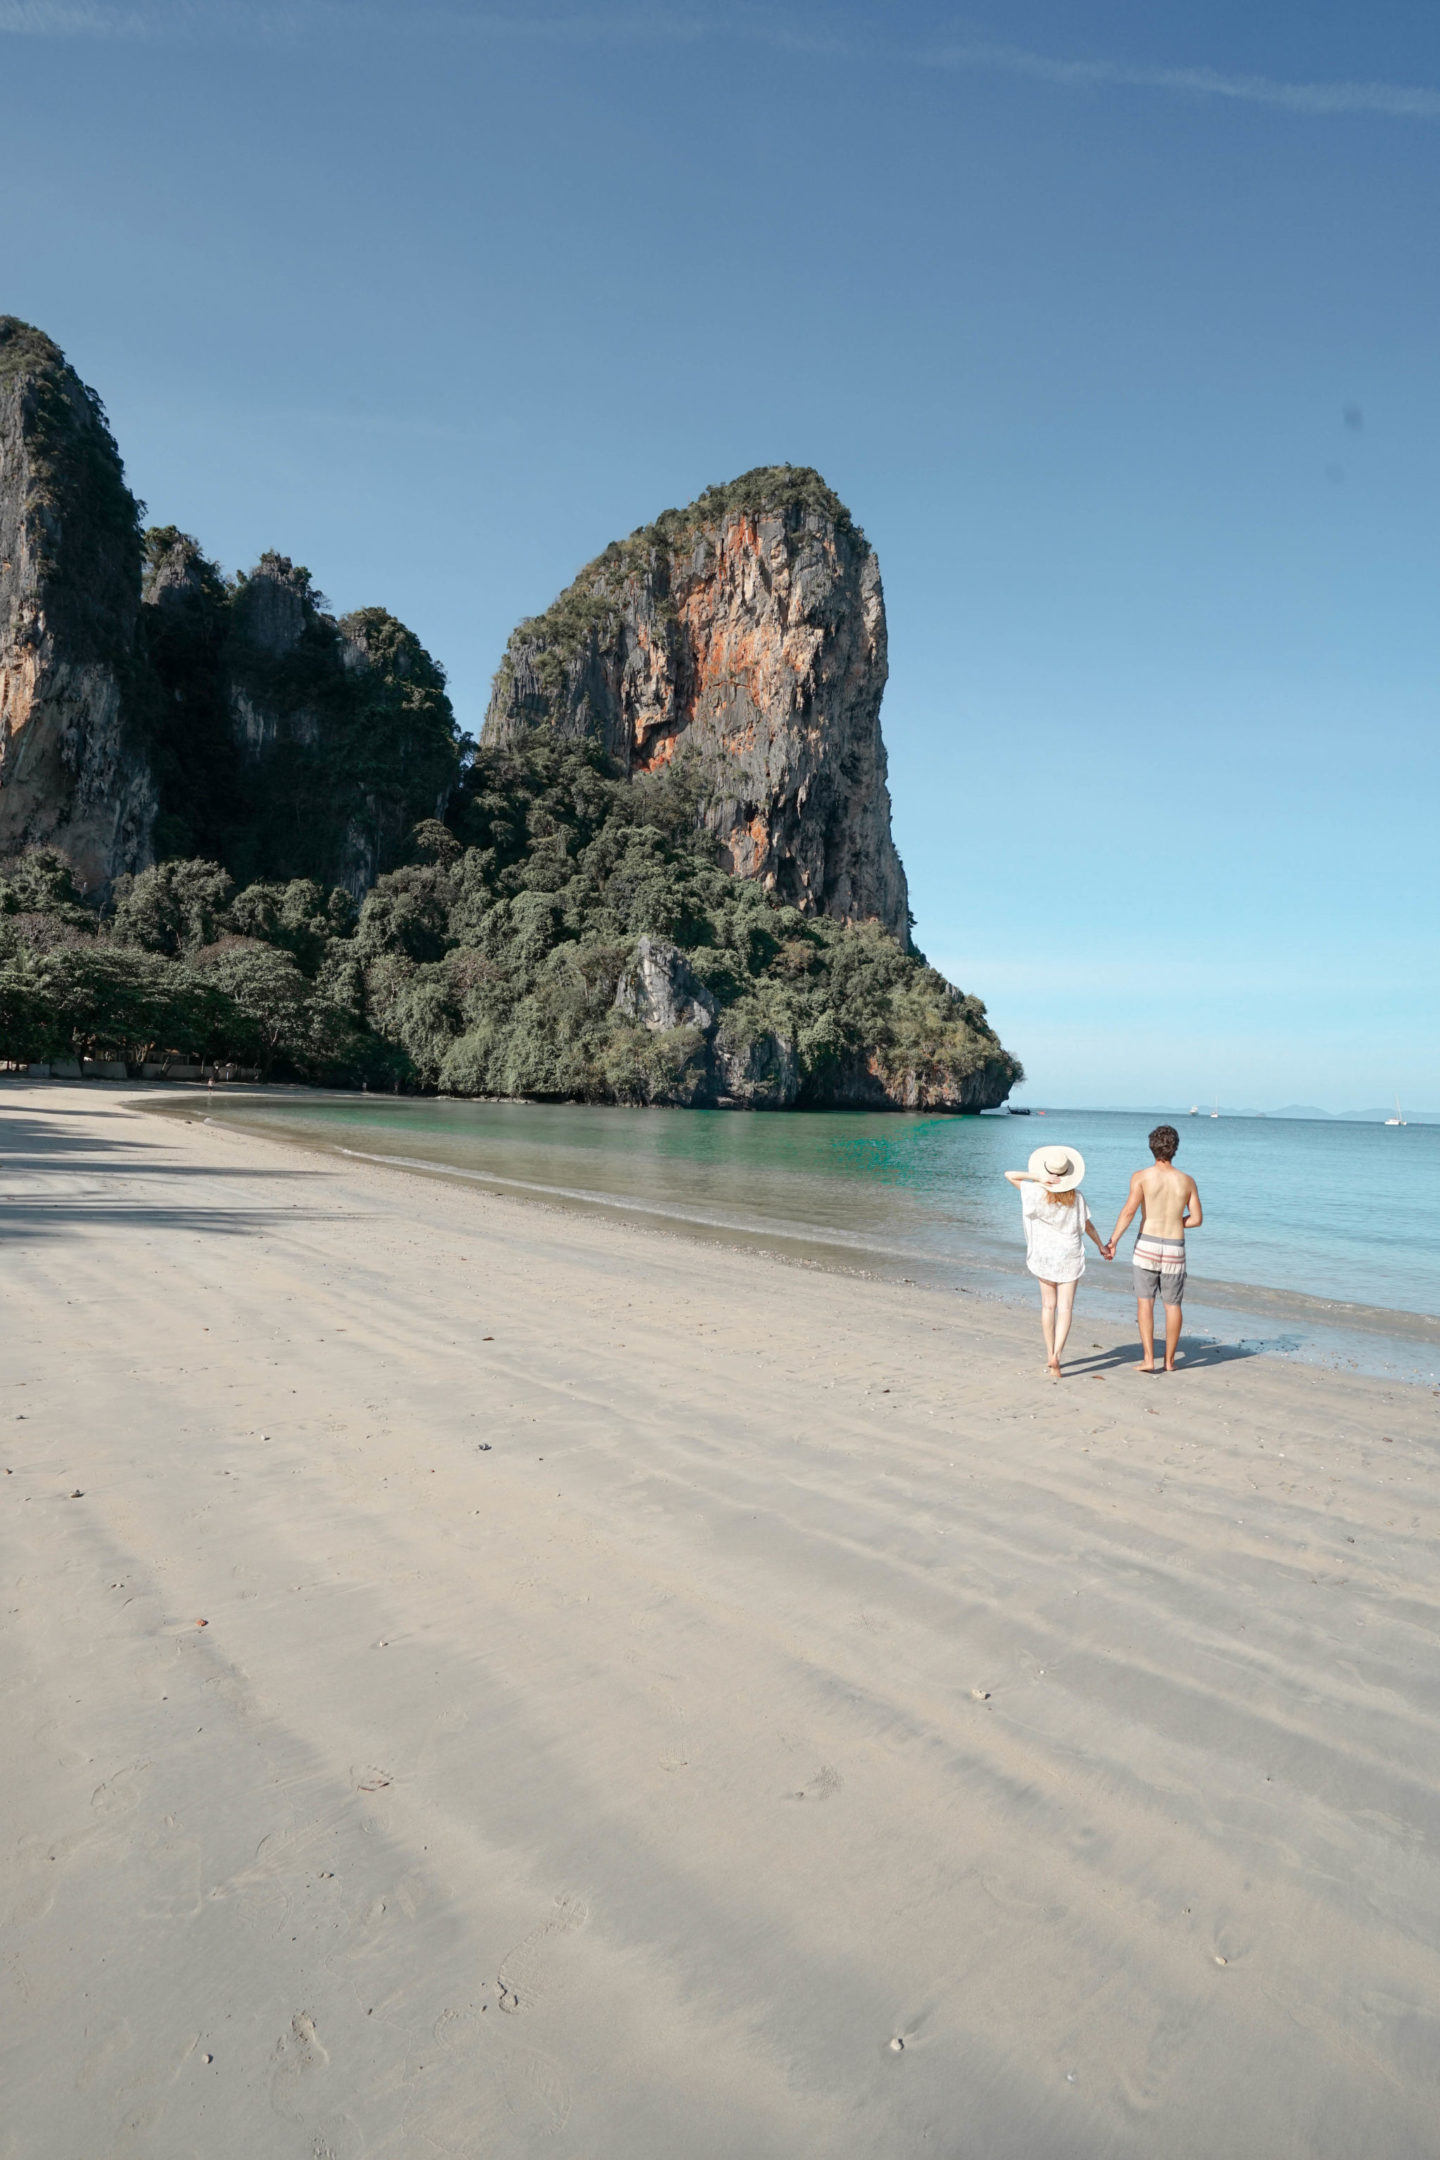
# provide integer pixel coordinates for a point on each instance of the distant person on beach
(1057, 1222)
(1168, 1204)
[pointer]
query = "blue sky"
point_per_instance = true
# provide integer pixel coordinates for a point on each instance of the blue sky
(1116, 325)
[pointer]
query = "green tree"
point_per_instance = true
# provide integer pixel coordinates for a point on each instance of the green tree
(172, 908)
(108, 1002)
(270, 1000)
(41, 882)
(299, 917)
(29, 1030)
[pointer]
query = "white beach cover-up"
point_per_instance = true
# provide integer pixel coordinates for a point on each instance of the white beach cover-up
(1054, 1235)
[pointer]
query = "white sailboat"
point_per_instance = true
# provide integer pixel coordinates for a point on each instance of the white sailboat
(1397, 1119)
(1194, 1109)
(1216, 1111)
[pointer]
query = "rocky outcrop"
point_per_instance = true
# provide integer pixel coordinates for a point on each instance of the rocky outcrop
(749, 632)
(273, 698)
(952, 1083)
(404, 755)
(74, 766)
(184, 619)
(758, 1072)
(660, 990)
(302, 746)
(962, 1067)
(735, 1065)
(150, 708)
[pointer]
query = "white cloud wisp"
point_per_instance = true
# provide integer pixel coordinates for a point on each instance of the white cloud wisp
(191, 20)
(1394, 101)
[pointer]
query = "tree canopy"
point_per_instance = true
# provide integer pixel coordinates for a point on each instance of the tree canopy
(491, 962)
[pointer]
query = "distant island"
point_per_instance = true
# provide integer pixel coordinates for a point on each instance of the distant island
(236, 829)
(1382, 1116)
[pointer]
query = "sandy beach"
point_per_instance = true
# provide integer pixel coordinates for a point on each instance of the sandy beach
(484, 1681)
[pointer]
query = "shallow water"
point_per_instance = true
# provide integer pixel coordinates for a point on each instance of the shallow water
(1297, 1210)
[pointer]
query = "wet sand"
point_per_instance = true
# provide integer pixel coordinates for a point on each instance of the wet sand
(654, 1700)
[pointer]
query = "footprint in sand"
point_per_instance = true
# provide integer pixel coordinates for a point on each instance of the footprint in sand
(820, 1787)
(299, 2057)
(144, 2099)
(117, 2042)
(1012, 1899)
(120, 1794)
(460, 2028)
(341, 2139)
(35, 1866)
(174, 1892)
(524, 1971)
(468, 2110)
(1148, 2057)
(537, 2091)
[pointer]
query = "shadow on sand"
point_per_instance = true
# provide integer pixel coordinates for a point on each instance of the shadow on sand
(73, 1181)
(1192, 1355)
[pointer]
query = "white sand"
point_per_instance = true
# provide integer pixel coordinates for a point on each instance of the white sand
(798, 1673)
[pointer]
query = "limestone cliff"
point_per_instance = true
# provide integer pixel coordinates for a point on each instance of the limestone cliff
(569, 930)
(74, 769)
(294, 745)
(150, 707)
(748, 629)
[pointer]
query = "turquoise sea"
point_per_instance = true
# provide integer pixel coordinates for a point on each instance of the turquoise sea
(1318, 1237)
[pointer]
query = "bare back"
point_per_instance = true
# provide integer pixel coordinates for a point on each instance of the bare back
(1165, 1194)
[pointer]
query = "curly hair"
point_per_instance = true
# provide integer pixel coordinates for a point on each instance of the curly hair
(1163, 1143)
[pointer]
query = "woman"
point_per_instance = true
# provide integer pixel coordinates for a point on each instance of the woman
(1056, 1224)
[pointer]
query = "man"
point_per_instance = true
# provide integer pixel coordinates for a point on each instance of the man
(1168, 1205)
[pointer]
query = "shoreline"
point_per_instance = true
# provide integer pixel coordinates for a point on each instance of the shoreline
(480, 1680)
(1343, 1329)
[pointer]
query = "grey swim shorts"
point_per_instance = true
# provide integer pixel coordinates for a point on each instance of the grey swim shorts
(1167, 1284)
(1160, 1269)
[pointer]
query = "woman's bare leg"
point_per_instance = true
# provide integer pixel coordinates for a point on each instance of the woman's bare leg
(1064, 1313)
(1047, 1320)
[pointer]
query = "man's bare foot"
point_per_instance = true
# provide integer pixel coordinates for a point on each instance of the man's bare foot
(1146, 1368)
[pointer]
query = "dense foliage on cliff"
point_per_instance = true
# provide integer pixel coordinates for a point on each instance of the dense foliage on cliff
(706, 693)
(497, 962)
(286, 743)
(183, 969)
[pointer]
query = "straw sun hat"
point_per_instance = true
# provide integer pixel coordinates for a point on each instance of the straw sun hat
(1059, 1169)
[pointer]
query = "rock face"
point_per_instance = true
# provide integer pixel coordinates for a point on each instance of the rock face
(298, 746)
(151, 708)
(74, 766)
(762, 1074)
(749, 631)
(660, 990)
(930, 1084)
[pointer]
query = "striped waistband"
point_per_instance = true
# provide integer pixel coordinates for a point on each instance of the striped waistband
(1163, 1253)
